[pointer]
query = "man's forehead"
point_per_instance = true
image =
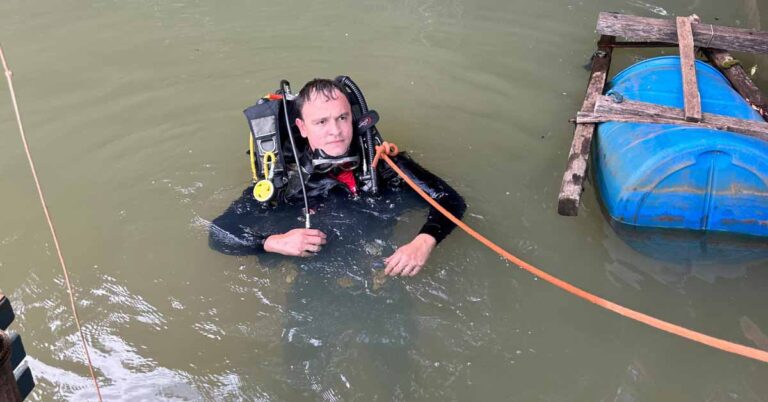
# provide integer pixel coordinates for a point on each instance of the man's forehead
(322, 97)
(319, 103)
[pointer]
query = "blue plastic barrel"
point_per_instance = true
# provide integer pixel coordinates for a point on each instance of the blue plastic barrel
(669, 176)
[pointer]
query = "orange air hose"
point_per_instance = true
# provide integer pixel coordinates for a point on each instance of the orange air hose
(385, 150)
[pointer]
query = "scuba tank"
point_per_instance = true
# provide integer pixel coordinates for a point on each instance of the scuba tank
(271, 153)
(267, 151)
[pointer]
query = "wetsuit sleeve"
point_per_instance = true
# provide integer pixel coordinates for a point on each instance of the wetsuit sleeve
(437, 225)
(235, 232)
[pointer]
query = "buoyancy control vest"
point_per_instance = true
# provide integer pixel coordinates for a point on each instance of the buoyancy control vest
(271, 155)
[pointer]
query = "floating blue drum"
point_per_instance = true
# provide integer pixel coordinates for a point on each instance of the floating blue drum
(670, 176)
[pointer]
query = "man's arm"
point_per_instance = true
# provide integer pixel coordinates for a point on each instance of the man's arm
(296, 242)
(248, 228)
(410, 258)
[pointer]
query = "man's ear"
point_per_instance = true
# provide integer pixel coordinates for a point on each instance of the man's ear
(302, 128)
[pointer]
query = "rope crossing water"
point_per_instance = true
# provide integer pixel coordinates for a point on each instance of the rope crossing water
(8, 75)
(385, 150)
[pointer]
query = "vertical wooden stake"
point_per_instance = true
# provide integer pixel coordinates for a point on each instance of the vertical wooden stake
(8, 389)
(691, 95)
(739, 79)
(575, 175)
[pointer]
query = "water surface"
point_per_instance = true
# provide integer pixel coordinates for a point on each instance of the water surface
(133, 110)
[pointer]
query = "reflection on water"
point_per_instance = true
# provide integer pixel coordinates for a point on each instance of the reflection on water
(684, 254)
(125, 373)
(345, 323)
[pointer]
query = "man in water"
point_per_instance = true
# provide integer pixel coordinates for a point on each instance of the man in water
(338, 306)
(325, 121)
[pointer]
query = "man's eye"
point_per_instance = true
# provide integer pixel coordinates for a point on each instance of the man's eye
(321, 122)
(342, 118)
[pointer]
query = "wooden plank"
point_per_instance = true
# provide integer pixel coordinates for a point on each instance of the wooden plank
(24, 380)
(609, 104)
(608, 109)
(661, 30)
(642, 44)
(575, 174)
(6, 312)
(739, 79)
(691, 96)
(18, 353)
(8, 386)
(593, 118)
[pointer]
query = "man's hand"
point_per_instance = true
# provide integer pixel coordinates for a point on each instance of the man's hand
(408, 259)
(296, 242)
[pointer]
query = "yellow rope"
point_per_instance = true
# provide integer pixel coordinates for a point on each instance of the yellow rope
(253, 159)
(8, 75)
(269, 159)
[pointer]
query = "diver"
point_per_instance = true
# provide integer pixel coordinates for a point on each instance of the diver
(332, 162)
(340, 305)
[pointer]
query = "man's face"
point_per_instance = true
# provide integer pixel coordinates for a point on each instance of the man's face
(327, 123)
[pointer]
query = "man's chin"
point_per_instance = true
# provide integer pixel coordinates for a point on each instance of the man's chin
(338, 150)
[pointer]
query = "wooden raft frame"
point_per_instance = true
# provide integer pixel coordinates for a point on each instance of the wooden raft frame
(16, 381)
(641, 32)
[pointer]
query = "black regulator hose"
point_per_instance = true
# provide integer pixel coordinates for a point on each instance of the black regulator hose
(346, 81)
(285, 87)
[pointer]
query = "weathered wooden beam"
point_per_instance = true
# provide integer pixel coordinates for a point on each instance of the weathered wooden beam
(576, 169)
(642, 44)
(660, 30)
(593, 118)
(8, 388)
(608, 109)
(739, 79)
(691, 96)
(16, 381)
(24, 380)
(18, 353)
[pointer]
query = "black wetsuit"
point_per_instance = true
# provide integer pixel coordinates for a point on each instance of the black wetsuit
(246, 224)
(339, 305)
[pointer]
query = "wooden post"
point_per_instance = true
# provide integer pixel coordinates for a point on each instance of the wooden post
(576, 170)
(9, 391)
(691, 96)
(739, 79)
(16, 381)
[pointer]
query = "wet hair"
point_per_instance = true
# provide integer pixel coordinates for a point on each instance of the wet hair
(316, 87)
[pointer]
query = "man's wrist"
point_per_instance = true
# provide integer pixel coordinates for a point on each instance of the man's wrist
(269, 244)
(426, 239)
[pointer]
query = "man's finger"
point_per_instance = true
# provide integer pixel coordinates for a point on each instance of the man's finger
(315, 232)
(314, 240)
(398, 268)
(391, 263)
(407, 270)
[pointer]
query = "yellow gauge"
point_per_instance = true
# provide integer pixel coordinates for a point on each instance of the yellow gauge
(263, 190)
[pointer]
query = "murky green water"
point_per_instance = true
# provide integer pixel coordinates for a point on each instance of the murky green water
(133, 110)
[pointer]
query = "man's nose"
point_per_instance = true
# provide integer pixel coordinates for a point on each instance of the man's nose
(335, 128)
